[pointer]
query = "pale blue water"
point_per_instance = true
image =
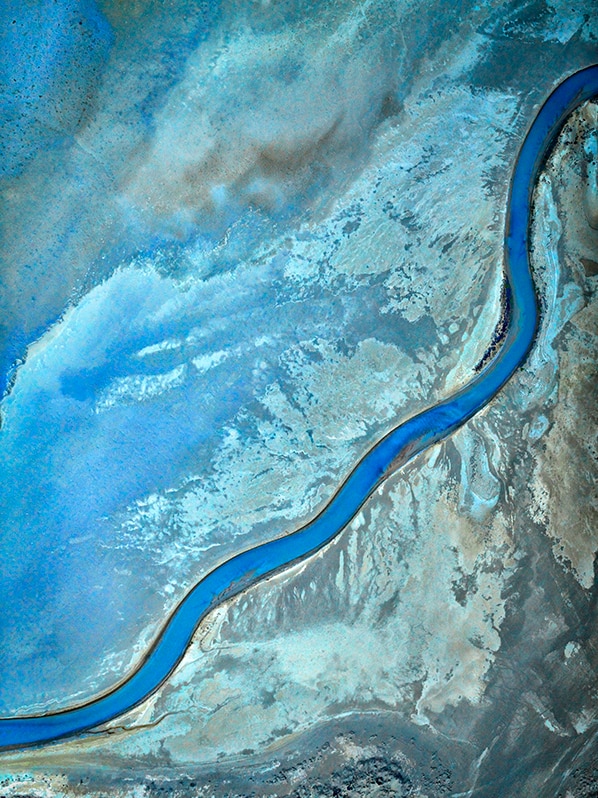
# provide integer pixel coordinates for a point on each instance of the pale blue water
(393, 450)
(92, 429)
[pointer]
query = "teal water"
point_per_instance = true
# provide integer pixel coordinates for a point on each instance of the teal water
(395, 449)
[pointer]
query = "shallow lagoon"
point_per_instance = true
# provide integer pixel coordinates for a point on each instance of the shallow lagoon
(279, 437)
(223, 309)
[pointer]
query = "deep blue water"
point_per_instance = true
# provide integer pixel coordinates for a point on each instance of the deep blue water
(395, 449)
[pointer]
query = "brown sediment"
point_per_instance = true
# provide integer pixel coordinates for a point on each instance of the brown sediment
(501, 328)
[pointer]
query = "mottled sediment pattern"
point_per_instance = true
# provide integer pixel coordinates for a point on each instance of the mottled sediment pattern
(446, 642)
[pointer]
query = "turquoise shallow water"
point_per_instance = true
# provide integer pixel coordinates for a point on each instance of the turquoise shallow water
(391, 452)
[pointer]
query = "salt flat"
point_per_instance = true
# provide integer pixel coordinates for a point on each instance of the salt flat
(249, 305)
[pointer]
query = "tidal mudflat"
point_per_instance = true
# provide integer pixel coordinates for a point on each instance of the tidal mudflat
(246, 308)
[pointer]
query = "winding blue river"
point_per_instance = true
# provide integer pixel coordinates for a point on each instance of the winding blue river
(395, 449)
